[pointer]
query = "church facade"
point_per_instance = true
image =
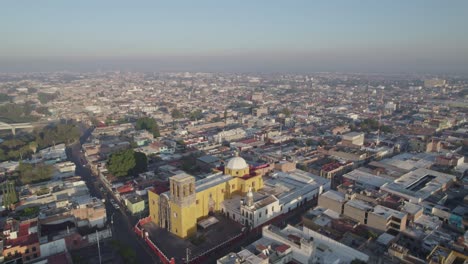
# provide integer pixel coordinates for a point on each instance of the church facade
(188, 201)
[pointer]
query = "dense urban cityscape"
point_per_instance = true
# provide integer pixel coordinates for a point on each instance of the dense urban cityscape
(122, 167)
(234, 132)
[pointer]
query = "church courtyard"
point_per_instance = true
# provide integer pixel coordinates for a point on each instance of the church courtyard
(205, 239)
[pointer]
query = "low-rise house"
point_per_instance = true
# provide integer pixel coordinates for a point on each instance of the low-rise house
(135, 204)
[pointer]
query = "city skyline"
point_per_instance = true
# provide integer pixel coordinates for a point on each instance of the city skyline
(396, 37)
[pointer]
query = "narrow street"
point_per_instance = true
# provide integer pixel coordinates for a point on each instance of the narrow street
(122, 228)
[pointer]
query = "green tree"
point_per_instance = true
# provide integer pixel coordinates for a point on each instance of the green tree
(56, 134)
(3, 156)
(148, 124)
(44, 98)
(9, 193)
(15, 113)
(33, 146)
(43, 110)
(30, 212)
(285, 111)
(176, 114)
(127, 162)
(126, 252)
(195, 115)
(4, 97)
(29, 173)
(141, 163)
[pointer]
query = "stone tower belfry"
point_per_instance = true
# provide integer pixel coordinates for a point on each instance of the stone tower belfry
(182, 187)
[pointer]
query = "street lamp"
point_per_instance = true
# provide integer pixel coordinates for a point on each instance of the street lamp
(112, 223)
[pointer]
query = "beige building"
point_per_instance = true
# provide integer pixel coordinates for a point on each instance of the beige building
(377, 217)
(383, 218)
(332, 200)
(357, 210)
(353, 139)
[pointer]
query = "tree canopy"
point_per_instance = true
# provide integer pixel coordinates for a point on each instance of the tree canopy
(285, 111)
(55, 134)
(24, 144)
(17, 113)
(368, 125)
(46, 97)
(127, 162)
(148, 124)
(195, 115)
(4, 97)
(176, 114)
(29, 173)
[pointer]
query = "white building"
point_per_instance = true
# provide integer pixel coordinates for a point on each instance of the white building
(281, 193)
(297, 245)
(416, 186)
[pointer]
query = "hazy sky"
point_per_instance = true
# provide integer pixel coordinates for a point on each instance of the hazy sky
(235, 35)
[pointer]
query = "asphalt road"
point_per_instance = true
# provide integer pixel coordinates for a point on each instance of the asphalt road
(121, 226)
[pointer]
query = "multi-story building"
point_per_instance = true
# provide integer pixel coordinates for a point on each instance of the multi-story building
(297, 245)
(353, 139)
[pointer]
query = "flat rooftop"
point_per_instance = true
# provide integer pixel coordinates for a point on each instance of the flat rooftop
(334, 195)
(387, 212)
(408, 161)
(359, 205)
(287, 186)
(211, 181)
(419, 184)
(366, 178)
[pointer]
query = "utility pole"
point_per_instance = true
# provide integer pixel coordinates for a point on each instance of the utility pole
(187, 255)
(99, 248)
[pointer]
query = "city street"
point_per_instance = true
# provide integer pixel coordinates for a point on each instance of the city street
(122, 227)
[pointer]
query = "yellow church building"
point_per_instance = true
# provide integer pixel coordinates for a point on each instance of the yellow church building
(188, 201)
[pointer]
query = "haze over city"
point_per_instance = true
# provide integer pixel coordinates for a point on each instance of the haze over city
(235, 36)
(234, 132)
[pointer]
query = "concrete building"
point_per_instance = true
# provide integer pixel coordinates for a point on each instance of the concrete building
(332, 200)
(416, 186)
(353, 139)
(383, 218)
(135, 204)
(295, 245)
(357, 210)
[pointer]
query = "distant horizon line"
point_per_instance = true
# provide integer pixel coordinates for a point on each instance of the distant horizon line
(259, 72)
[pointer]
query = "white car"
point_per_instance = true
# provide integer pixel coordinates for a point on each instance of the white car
(116, 206)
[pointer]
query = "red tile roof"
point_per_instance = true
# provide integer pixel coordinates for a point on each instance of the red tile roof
(23, 241)
(282, 248)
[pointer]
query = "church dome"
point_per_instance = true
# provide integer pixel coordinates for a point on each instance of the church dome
(237, 163)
